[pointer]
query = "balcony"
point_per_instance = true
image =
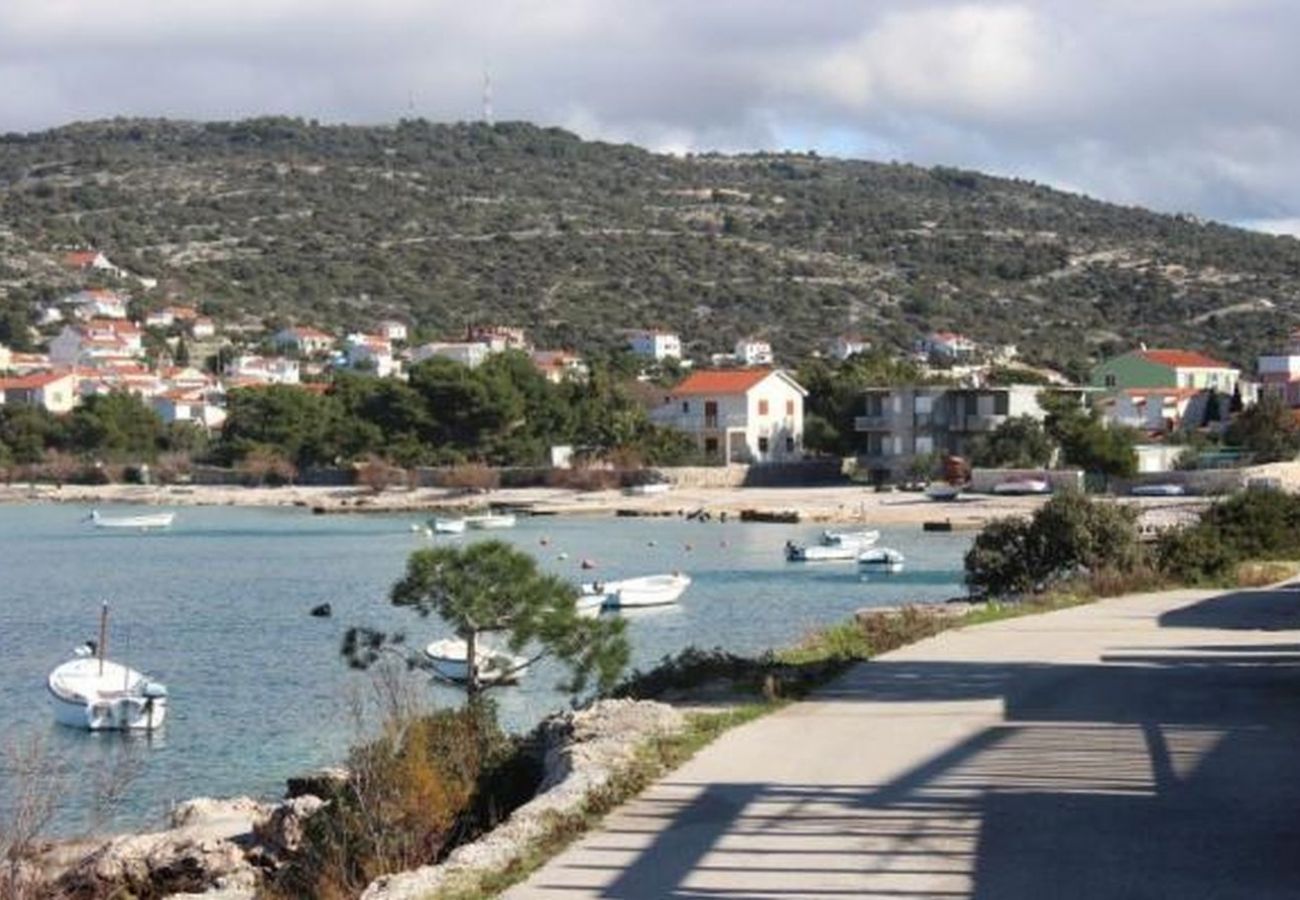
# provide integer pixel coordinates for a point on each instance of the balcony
(980, 423)
(693, 421)
(873, 423)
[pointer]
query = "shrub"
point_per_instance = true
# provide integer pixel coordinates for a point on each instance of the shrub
(1195, 555)
(584, 479)
(1257, 523)
(475, 476)
(999, 560)
(378, 475)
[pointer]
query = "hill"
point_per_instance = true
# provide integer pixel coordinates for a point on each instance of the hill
(575, 240)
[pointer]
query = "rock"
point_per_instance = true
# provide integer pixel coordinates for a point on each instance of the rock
(324, 783)
(281, 830)
(219, 817)
(584, 750)
(160, 863)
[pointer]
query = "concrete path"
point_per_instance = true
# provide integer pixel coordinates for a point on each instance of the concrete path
(1145, 747)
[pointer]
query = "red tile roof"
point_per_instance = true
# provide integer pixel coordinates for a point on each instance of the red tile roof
(31, 382)
(1182, 359)
(722, 381)
(80, 258)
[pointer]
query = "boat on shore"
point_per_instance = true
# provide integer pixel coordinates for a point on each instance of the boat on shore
(132, 523)
(450, 660)
(649, 488)
(1159, 490)
(1022, 487)
(626, 593)
(96, 694)
(447, 526)
(490, 521)
(882, 559)
(944, 493)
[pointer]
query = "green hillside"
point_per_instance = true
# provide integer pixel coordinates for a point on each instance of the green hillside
(575, 240)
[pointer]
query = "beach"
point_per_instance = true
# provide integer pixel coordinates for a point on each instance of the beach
(831, 504)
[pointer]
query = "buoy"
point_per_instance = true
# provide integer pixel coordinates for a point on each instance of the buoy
(588, 564)
(722, 543)
(323, 611)
(689, 548)
(543, 541)
(562, 555)
(652, 543)
(414, 527)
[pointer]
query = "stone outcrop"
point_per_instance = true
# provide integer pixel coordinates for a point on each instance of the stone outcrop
(583, 751)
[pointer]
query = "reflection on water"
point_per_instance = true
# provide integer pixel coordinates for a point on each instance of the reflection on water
(217, 608)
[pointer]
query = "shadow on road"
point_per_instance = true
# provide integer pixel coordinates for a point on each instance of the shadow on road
(1165, 773)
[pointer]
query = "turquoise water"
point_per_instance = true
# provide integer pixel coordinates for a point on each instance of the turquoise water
(217, 609)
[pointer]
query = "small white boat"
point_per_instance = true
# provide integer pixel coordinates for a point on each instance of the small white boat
(489, 521)
(859, 539)
(1017, 486)
(882, 559)
(137, 523)
(944, 493)
(1159, 490)
(96, 694)
(648, 590)
(821, 552)
(450, 660)
(447, 526)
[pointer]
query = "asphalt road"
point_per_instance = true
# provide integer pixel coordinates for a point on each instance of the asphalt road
(1143, 747)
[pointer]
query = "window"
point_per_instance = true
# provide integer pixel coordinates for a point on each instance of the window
(762, 445)
(789, 445)
(762, 407)
(924, 403)
(924, 444)
(1110, 381)
(972, 405)
(686, 406)
(711, 446)
(789, 408)
(1001, 403)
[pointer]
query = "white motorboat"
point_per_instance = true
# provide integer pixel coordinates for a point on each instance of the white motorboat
(96, 694)
(648, 590)
(1017, 486)
(1159, 490)
(450, 660)
(822, 552)
(944, 493)
(882, 559)
(489, 521)
(137, 523)
(447, 526)
(654, 487)
(859, 539)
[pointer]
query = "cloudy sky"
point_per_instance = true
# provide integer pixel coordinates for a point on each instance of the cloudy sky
(1180, 105)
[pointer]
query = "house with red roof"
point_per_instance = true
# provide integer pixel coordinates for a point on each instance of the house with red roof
(96, 343)
(55, 392)
(1145, 368)
(738, 415)
(948, 345)
(97, 303)
(304, 340)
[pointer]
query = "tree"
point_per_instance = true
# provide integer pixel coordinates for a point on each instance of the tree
(492, 587)
(1085, 440)
(1267, 430)
(1017, 443)
(182, 355)
(116, 426)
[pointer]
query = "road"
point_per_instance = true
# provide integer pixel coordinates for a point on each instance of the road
(1141, 747)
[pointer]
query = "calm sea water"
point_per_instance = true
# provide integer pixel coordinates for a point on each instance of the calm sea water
(217, 609)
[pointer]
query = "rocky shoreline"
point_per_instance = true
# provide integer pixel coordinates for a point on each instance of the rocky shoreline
(225, 849)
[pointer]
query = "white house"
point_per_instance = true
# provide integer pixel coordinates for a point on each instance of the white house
(370, 353)
(753, 352)
(656, 345)
(393, 330)
(844, 346)
(97, 303)
(947, 345)
(55, 392)
(202, 328)
(263, 370)
(558, 366)
(6, 358)
(467, 353)
(500, 337)
(739, 416)
(188, 406)
(96, 342)
(302, 339)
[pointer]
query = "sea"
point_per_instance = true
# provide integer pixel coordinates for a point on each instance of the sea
(217, 608)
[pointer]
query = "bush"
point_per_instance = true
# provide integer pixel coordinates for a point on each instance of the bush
(1195, 555)
(475, 476)
(584, 479)
(1257, 524)
(378, 475)
(1067, 536)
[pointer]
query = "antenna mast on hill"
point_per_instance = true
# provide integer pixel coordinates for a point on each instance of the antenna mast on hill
(487, 96)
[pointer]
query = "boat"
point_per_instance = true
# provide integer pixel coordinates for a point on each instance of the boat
(821, 552)
(859, 539)
(447, 526)
(647, 590)
(653, 487)
(1159, 490)
(449, 659)
(1017, 486)
(882, 559)
(490, 521)
(97, 694)
(944, 493)
(137, 523)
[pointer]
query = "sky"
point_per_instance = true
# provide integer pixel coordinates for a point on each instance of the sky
(1177, 105)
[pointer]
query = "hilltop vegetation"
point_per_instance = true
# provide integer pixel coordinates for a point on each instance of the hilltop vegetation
(576, 240)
